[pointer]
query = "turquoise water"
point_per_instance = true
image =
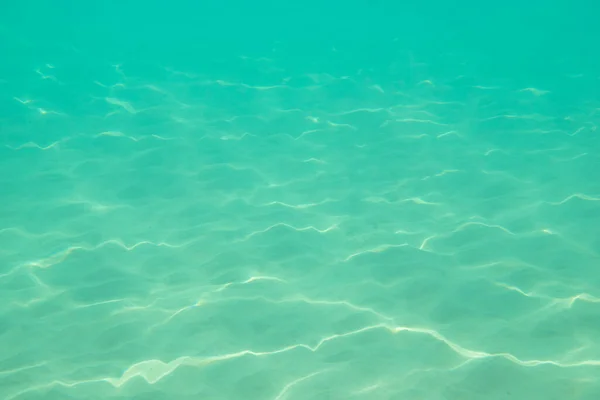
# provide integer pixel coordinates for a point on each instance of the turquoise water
(356, 200)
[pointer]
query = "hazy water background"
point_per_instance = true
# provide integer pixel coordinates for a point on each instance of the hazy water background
(275, 200)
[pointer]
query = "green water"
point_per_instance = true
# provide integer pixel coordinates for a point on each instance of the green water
(359, 200)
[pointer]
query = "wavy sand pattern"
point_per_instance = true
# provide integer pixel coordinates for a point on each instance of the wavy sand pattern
(171, 234)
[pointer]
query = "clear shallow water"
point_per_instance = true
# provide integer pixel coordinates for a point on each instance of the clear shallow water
(299, 203)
